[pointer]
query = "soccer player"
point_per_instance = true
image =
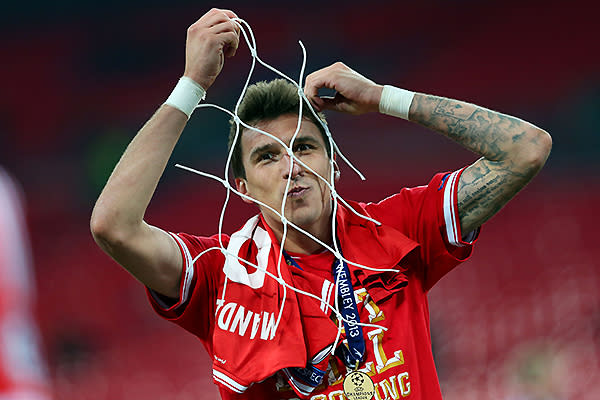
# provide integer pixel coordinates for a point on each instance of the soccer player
(269, 342)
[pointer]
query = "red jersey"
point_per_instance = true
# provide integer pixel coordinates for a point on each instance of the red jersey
(399, 360)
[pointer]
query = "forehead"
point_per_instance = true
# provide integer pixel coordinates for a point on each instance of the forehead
(282, 127)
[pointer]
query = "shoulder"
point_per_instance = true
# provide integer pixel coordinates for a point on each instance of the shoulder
(196, 242)
(200, 250)
(410, 202)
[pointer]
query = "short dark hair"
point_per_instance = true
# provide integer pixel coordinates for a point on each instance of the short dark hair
(265, 101)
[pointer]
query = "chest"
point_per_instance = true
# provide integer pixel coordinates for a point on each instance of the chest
(398, 348)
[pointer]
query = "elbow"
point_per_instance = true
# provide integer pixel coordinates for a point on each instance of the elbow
(100, 228)
(105, 231)
(534, 155)
(543, 142)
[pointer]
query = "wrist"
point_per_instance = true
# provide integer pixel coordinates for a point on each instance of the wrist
(395, 101)
(201, 79)
(186, 95)
(375, 98)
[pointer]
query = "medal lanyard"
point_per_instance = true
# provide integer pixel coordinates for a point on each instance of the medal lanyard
(352, 354)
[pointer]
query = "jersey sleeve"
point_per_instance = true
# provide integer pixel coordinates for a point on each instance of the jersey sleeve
(429, 215)
(202, 265)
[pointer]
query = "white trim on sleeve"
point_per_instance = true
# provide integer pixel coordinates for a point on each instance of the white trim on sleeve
(188, 273)
(450, 216)
(228, 382)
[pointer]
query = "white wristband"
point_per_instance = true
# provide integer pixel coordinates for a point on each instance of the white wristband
(186, 95)
(395, 101)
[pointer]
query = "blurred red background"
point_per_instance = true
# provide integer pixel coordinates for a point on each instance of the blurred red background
(520, 318)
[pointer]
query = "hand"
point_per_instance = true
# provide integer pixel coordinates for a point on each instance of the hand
(355, 93)
(209, 40)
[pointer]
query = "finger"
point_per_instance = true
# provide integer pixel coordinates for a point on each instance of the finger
(317, 103)
(232, 41)
(236, 26)
(226, 19)
(311, 94)
(339, 103)
(228, 37)
(309, 90)
(224, 26)
(229, 13)
(314, 82)
(220, 12)
(325, 71)
(215, 17)
(332, 103)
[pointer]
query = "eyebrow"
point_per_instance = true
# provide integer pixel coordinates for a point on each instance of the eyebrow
(262, 149)
(275, 145)
(307, 139)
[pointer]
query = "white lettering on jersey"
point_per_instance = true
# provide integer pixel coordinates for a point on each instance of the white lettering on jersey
(242, 319)
(268, 326)
(225, 312)
(235, 318)
(255, 325)
(234, 269)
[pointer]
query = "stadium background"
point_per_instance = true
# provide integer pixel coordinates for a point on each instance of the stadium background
(520, 318)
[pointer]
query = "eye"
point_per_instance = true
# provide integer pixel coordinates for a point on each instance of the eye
(266, 156)
(301, 147)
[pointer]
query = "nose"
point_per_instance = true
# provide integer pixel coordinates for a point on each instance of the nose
(296, 168)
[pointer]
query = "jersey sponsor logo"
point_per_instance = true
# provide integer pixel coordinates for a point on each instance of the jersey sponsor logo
(222, 361)
(235, 318)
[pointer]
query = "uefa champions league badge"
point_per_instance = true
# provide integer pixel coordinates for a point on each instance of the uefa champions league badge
(358, 386)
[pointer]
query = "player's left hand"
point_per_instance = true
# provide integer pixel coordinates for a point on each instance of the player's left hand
(355, 93)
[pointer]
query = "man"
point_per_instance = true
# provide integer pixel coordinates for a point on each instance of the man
(266, 340)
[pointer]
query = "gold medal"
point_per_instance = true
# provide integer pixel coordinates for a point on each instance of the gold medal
(358, 386)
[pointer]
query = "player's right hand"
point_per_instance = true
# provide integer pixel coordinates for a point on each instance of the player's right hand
(209, 40)
(355, 94)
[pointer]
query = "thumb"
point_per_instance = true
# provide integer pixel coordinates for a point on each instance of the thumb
(336, 103)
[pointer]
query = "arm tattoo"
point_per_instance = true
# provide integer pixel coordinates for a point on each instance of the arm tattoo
(487, 185)
(485, 132)
(483, 189)
(453, 109)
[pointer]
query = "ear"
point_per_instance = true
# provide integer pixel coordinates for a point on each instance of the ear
(241, 186)
(336, 171)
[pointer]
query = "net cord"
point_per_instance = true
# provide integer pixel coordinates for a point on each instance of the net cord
(250, 40)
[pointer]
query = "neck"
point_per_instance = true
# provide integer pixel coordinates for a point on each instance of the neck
(298, 242)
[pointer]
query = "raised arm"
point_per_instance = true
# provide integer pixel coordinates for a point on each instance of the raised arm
(512, 150)
(117, 222)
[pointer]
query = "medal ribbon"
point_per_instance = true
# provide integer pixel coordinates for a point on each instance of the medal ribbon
(304, 380)
(352, 354)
